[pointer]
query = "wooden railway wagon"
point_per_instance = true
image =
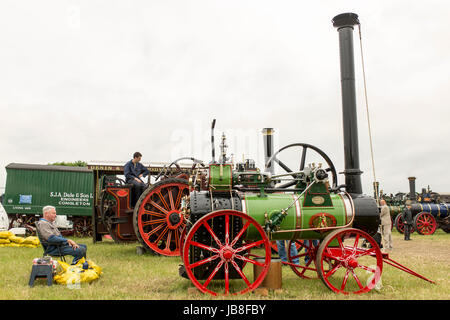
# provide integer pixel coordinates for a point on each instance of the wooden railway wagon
(30, 187)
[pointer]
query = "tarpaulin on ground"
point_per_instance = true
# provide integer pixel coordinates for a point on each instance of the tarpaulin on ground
(84, 271)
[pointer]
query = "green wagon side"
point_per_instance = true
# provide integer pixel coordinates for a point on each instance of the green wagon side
(30, 187)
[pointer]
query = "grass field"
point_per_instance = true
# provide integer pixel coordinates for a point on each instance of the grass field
(127, 275)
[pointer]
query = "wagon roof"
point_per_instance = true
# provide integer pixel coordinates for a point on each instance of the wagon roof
(27, 166)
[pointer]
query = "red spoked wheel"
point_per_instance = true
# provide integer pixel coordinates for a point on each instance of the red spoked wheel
(400, 224)
(158, 221)
(425, 223)
(303, 263)
(215, 249)
(346, 264)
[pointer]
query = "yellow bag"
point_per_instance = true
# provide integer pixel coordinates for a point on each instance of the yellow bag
(65, 274)
(73, 275)
(5, 234)
(4, 241)
(31, 240)
(12, 244)
(29, 245)
(16, 239)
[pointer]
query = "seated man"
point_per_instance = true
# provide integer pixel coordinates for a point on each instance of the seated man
(134, 171)
(52, 237)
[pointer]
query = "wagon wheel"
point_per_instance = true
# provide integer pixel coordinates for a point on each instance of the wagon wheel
(400, 225)
(305, 148)
(223, 253)
(157, 219)
(353, 269)
(425, 223)
(167, 172)
(23, 221)
(83, 227)
(303, 264)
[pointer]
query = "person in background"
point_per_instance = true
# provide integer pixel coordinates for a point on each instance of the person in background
(308, 245)
(281, 245)
(407, 221)
(386, 226)
(51, 237)
(134, 170)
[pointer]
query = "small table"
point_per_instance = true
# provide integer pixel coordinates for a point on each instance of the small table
(41, 271)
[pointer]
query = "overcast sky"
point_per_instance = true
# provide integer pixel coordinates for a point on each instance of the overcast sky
(99, 80)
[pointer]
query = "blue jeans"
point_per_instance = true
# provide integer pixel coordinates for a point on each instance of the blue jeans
(281, 244)
(138, 189)
(68, 250)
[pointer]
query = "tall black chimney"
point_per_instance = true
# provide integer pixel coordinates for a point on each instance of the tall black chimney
(344, 24)
(367, 216)
(412, 188)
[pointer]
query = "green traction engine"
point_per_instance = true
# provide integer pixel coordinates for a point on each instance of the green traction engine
(234, 213)
(232, 221)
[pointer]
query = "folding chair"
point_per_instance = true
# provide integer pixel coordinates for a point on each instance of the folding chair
(46, 245)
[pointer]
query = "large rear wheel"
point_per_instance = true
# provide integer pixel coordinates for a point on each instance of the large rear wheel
(158, 221)
(346, 264)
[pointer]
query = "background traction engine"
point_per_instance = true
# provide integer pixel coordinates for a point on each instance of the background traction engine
(155, 218)
(428, 210)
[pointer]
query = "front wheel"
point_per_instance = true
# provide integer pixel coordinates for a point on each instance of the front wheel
(216, 254)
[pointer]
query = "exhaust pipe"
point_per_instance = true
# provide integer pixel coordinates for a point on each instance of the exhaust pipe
(213, 150)
(344, 24)
(367, 215)
(412, 188)
(268, 148)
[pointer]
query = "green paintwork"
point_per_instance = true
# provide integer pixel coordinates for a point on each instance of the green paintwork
(220, 176)
(394, 210)
(68, 189)
(257, 206)
(318, 191)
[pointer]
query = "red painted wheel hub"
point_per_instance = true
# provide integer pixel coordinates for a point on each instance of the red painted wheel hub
(227, 253)
(351, 263)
